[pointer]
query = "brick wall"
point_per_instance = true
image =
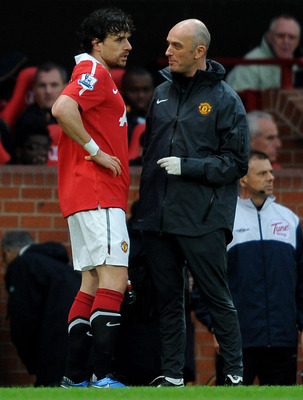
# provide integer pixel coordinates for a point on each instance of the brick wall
(28, 200)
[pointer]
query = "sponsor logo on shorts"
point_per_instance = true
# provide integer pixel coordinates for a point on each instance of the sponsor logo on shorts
(124, 246)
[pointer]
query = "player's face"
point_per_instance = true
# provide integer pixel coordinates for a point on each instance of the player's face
(48, 87)
(115, 50)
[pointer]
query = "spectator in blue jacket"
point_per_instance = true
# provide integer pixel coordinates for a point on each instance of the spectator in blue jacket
(265, 274)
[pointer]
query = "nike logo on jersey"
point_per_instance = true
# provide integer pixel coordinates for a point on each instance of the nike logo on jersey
(88, 333)
(161, 101)
(109, 324)
(115, 91)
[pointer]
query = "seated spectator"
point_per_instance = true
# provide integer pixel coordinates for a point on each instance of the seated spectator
(264, 135)
(32, 145)
(280, 41)
(41, 287)
(137, 90)
(49, 82)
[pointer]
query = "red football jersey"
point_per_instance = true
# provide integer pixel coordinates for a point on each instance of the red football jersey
(83, 185)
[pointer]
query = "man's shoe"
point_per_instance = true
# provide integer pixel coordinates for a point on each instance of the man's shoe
(161, 381)
(233, 380)
(106, 383)
(67, 383)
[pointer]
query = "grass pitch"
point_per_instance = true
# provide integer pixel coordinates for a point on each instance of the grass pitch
(146, 393)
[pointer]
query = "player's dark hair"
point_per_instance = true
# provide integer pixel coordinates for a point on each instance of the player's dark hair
(101, 23)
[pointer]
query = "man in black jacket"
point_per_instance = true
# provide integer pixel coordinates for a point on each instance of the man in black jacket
(41, 289)
(196, 149)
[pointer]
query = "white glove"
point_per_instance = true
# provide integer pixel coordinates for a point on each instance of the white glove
(171, 164)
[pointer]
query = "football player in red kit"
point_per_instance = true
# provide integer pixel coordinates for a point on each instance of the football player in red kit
(93, 181)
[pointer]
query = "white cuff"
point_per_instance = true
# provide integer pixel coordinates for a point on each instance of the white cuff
(91, 147)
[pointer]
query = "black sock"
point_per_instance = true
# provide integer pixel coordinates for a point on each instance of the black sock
(105, 326)
(79, 363)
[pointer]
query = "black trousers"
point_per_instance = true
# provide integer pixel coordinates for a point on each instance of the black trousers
(206, 260)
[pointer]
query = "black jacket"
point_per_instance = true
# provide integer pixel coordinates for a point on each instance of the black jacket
(204, 123)
(41, 287)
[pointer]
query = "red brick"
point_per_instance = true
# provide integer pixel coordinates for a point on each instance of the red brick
(36, 193)
(6, 179)
(60, 222)
(293, 197)
(54, 235)
(35, 222)
(52, 180)
(19, 207)
(48, 207)
(8, 221)
(9, 192)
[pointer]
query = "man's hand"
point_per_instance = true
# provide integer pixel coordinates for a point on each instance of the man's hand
(216, 345)
(171, 164)
(110, 162)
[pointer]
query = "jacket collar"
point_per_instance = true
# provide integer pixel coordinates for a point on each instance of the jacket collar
(214, 72)
(249, 204)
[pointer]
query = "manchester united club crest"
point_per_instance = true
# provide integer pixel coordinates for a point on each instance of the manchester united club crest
(205, 108)
(124, 246)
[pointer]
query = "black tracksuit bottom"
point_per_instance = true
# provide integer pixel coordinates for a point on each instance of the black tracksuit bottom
(207, 261)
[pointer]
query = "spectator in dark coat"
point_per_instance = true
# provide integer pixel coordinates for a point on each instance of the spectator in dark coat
(41, 288)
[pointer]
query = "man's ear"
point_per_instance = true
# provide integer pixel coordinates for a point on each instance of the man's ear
(243, 181)
(95, 44)
(200, 51)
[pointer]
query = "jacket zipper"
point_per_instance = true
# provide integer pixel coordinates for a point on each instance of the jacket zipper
(166, 177)
(170, 149)
(265, 278)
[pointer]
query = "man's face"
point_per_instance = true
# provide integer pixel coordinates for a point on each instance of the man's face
(7, 257)
(285, 37)
(180, 51)
(35, 150)
(268, 140)
(115, 50)
(259, 180)
(47, 88)
(138, 91)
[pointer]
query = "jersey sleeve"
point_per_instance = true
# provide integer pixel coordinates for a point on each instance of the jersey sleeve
(87, 85)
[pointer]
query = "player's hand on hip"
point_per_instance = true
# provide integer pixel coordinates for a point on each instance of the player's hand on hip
(110, 162)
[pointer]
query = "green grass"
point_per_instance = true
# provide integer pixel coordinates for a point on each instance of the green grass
(142, 393)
